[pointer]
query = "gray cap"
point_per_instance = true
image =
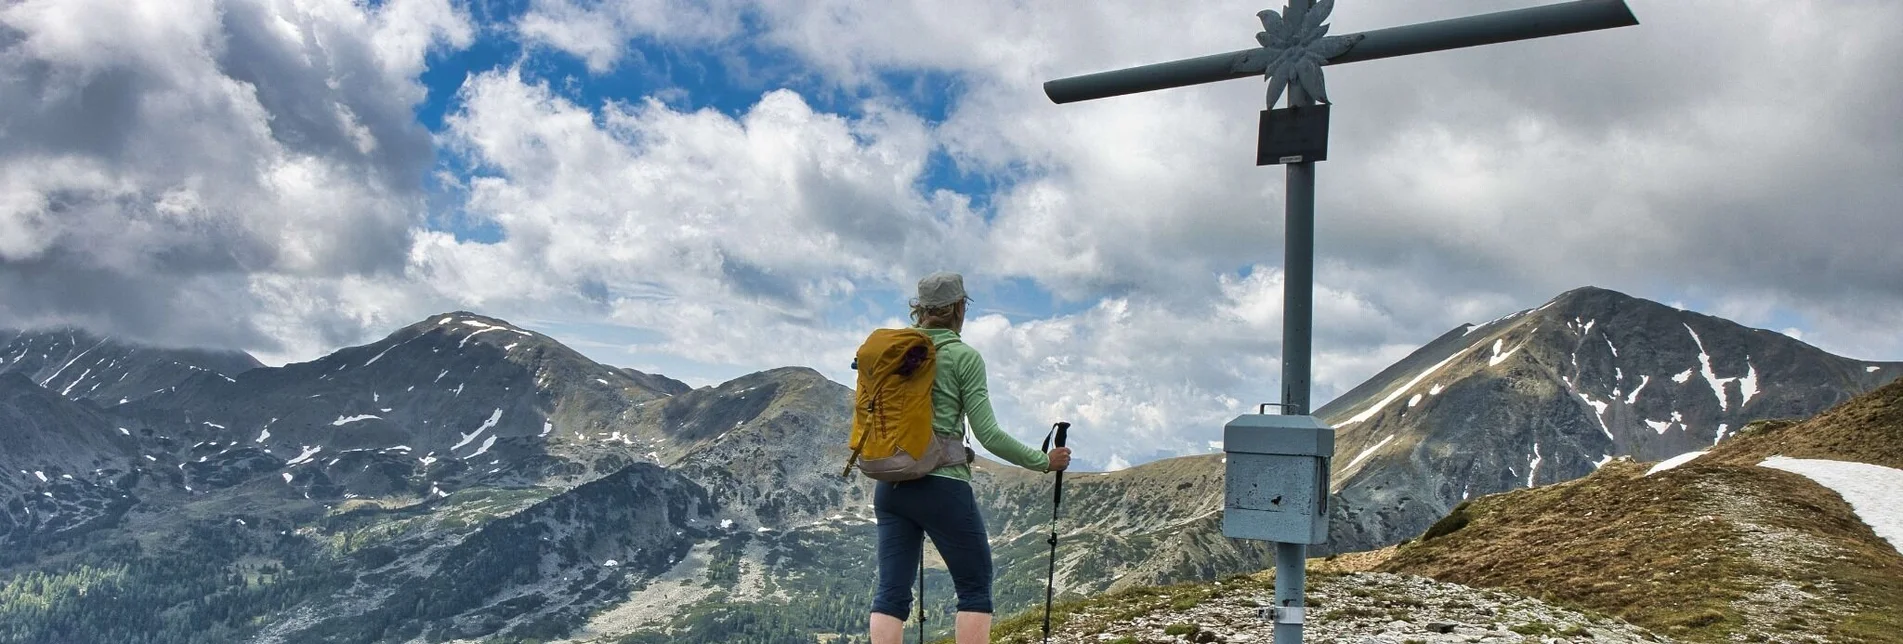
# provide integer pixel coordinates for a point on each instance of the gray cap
(941, 288)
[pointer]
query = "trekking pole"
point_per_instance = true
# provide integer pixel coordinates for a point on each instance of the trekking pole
(921, 593)
(1057, 497)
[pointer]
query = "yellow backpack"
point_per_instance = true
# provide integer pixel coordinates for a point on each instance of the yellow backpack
(892, 437)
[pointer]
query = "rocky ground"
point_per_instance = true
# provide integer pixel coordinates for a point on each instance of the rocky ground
(1352, 608)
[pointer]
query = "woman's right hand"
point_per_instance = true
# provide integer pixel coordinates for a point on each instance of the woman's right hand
(1060, 459)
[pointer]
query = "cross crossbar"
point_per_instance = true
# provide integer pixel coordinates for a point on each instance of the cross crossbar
(1453, 33)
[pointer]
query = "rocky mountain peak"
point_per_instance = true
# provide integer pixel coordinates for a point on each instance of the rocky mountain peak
(1551, 393)
(79, 364)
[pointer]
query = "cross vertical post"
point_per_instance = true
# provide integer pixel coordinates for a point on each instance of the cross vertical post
(1277, 467)
(1298, 298)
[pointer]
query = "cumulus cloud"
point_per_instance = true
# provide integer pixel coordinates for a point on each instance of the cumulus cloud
(152, 161)
(693, 222)
(1705, 144)
(599, 32)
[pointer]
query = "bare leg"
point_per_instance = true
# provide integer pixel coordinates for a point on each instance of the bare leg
(887, 629)
(973, 628)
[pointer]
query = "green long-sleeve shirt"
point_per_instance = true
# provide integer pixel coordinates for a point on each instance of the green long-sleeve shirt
(959, 393)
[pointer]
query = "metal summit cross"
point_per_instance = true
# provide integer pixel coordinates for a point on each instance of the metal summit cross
(1295, 45)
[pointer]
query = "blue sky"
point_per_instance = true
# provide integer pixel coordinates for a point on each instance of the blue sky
(686, 78)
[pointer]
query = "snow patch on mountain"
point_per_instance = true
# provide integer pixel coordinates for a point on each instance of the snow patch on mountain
(486, 444)
(1599, 414)
(1634, 396)
(68, 391)
(1499, 357)
(1533, 467)
(1675, 461)
(1871, 490)
(379, 356)
(1368, 452)
(346, 420)
(1398, 391)
(493, 418)
(1748, 385)
(1704, 369)
(471, 336)
(309, 452)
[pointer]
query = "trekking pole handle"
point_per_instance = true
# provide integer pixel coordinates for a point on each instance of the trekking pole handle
(1061, 430)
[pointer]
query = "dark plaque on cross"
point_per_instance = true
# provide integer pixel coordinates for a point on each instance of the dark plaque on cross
(1294, 47)
(1293, 135)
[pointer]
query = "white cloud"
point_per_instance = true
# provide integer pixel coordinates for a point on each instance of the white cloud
(598, 32)
(1147, 377)
(154, 148)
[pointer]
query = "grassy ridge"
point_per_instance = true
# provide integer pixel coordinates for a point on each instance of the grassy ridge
(1715, 548)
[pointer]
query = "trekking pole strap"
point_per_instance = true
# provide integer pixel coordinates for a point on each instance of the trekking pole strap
(1058, 431)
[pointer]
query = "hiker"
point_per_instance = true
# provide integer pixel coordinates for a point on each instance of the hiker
(941, 503)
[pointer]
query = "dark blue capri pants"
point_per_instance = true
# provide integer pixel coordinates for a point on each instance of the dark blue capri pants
(945, 509)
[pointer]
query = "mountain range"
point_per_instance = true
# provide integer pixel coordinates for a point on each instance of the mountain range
(467, 478)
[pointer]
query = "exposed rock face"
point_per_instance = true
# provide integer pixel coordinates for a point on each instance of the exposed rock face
(79, 365)
(62, 467)
(1548, 394)
(441, 404)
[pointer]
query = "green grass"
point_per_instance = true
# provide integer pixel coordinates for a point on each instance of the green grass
(1533, 628)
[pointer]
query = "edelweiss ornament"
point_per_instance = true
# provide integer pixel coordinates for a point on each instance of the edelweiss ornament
(1294, 52)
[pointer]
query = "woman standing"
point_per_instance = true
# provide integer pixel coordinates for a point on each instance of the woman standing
(941, 504)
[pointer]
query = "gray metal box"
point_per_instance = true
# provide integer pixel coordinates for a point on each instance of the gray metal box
(1276, 478)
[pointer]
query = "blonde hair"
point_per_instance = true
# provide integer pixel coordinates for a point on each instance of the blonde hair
(936, 317)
